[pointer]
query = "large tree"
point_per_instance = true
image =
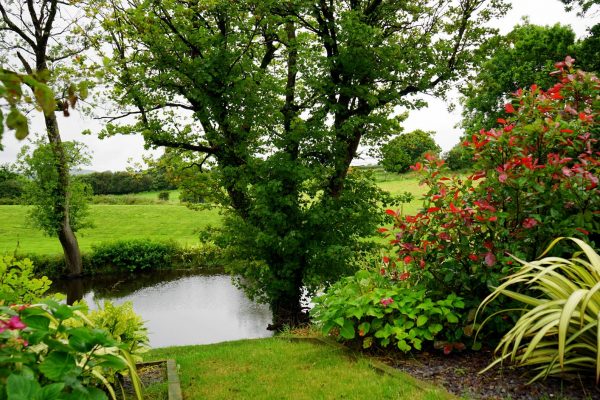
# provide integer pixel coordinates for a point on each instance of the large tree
(524, 56)
(280, 95)
(35, 44)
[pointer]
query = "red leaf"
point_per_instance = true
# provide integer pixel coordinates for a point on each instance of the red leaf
(493, 219)
(404, 276)
(509, 108)
(391, 212)
(433, 209)
(582, 231)
(386, 260)
(381, 230)
(407, 259)
(501, 121)
(447, 349)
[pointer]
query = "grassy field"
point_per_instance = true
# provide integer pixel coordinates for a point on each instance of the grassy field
(277, 368)
(112, 222)
(164, 221)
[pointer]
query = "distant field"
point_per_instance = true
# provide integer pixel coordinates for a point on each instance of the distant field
(163, 221)
(112, 222)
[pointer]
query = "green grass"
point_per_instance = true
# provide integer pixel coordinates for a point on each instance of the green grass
(278, 368)
(161, 221)
(112, 222)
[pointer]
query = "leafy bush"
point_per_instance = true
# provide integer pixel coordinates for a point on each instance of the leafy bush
(164, 196)
(404, 150)
(51, 351)
(558, 330)
(123, 324)
(380, 310)
(122, 199)
(17, 282)
(132, 255)
(536, 177)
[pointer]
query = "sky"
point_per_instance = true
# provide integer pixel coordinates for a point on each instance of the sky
(117, 153)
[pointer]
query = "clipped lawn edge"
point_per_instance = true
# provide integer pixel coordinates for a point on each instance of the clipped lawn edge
(375, 364)
(173, 385)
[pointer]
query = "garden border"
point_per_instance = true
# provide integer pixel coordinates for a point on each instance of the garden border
(173, 384)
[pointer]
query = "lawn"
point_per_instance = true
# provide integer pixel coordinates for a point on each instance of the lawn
(277, 368)
(161, 221)
(111, 222)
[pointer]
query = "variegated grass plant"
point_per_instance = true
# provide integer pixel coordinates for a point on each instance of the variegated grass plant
(558, 333)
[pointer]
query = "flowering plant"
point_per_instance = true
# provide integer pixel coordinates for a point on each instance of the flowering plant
(536, 178)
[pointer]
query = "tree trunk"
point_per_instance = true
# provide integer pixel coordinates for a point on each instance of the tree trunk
(66, 236)
(287, 306)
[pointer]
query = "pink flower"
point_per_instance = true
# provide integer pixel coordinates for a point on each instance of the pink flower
(386, 302)
(529, 223)
(15, 323)
(490, 259)
(503, 177)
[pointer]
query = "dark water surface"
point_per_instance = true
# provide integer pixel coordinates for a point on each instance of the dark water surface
(179, 307)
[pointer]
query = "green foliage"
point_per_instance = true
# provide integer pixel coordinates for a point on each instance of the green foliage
(557, 334)
(406, 149)
(525, 56)
(51, 351)
(11, 185)
(278, 97)
(123, 324)
(11, 90)
(164, 196)
(585, 5)
(125, 182)
(374, 309)
(587, 50)
(459, 158)
(17, 282)
(132, 255)
(41, 167)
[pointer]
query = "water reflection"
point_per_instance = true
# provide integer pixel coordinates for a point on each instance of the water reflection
(180, 307)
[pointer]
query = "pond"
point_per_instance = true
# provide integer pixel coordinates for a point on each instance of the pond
(179, 307)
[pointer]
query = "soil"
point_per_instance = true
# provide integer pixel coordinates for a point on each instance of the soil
(459, 374)
(149, 375)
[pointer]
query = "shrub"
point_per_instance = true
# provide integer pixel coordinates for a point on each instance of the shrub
(123, 324)
(164, 196)
(558, 330)
(404, 150)
(380, 311)
(132, 255)
(51, 351)
(536, 177)
(17, 284)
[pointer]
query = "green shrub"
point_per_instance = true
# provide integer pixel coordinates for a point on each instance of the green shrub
(51, 351)
(558, 331)
(123, 324)
(164, 196)
(124, 199)
(132, 255)
(17, 284)
(375, 310)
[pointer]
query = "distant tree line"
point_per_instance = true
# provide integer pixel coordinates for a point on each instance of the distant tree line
(123, 182)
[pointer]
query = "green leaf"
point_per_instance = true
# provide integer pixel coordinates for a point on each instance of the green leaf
(18, 122)
(112, 361)
(19, 387)
(51, 392)
(59, 364)
(422, 320)
(347, 330)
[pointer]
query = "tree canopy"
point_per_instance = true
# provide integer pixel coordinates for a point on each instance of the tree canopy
(524, 56)
(279, 96)
(406, 149)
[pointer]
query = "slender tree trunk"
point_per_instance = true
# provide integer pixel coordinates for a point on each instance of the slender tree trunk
(66, 236)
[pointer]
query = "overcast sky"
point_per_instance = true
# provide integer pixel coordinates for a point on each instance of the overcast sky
(116, 153)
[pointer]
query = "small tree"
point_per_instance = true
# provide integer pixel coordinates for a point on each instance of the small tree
(41, 52)
(403, 151)
(43, 188)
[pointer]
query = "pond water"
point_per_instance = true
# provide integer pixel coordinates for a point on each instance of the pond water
(179, 307)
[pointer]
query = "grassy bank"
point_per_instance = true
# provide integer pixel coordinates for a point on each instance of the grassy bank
(277, 368)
